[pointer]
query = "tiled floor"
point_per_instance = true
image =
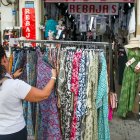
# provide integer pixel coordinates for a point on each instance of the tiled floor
(128, 129)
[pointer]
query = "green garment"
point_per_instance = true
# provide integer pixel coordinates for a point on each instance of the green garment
(129, 85)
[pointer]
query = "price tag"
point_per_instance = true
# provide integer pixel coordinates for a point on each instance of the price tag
(137, 66)
(130, 62)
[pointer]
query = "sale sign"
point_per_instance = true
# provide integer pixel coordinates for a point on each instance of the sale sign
(28, 23)
(93, 8)
(62, 1)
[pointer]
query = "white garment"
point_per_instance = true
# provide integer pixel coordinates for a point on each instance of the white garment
(132, 22)
(11, 112)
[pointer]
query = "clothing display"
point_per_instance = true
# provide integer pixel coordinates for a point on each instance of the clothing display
(129, 84)
(82, 93)
(78, 106)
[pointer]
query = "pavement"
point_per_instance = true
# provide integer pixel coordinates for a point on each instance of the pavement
(125, 129)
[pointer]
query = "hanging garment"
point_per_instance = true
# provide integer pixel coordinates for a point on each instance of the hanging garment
(122, 59)
(102, 101)
(10, 63)
(68, 96)
(19, 62)
(27, 71)
(83, 122)
(91, 118)
(50, 127)
(81, 103)
(61, 89)
(15, 56)
(132, 22)
(31, 79)
(74, 90)
(129, 85)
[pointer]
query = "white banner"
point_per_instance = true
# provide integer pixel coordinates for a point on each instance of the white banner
(93, 8)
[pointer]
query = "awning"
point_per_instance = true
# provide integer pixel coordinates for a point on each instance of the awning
(63, 1)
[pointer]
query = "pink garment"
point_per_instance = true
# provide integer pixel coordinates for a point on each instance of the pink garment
(110, 114)
(113, 100)
(75, 89)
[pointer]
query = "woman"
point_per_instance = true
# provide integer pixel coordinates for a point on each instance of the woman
(12, 92)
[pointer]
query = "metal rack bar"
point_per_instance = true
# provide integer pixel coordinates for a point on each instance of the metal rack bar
(65, 42)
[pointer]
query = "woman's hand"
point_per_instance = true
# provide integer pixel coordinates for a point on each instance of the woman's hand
(54, 73)
(17, 73)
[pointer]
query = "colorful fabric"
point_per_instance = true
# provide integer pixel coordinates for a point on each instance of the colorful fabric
(129, 85)
(75, 89)
(81, 103)
(102, 101)
(83, 120)
(61, 89)
(91, 118)
(27, 106)
(10, 63)
(50, 127)
(15, 56)
(31, 79)
(68, 96)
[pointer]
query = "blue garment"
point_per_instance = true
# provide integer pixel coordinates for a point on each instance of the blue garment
(102, 102)
(31, 79)
(15, 57)
(50, 26)
(81, 105)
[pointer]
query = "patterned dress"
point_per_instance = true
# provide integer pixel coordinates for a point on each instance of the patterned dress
(129, 85)
(50, 126)
(91, 132)
(102, 101)
(74, 90)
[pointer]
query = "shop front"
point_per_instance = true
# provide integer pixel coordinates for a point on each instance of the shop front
(84, 40)
(91, 20)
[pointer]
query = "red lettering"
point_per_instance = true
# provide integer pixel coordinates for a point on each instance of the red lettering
(114, 8)
(27, 23)
(27, 11)
(85, 8)
(78, 8)
(28, 35)
(92, 9)
(27, 17)
(99, 9)
(28, 29)
(72, 8)
(105, 9)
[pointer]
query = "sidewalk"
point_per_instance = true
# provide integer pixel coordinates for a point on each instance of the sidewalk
(128, 129)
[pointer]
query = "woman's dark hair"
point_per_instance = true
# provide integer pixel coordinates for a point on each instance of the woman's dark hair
(2, 68)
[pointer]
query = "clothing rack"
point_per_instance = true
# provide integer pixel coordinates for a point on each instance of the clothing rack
(103, 44)
(65, 42)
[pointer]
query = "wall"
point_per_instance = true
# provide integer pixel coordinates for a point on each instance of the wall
(7, 18)
(138, 18)
(37, 5)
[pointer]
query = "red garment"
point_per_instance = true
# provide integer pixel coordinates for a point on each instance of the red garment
(74, 89)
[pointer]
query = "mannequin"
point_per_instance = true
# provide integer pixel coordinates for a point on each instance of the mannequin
(60, 28)
(51, 37)
(134, 43)
(50, 25)
(128, 97)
